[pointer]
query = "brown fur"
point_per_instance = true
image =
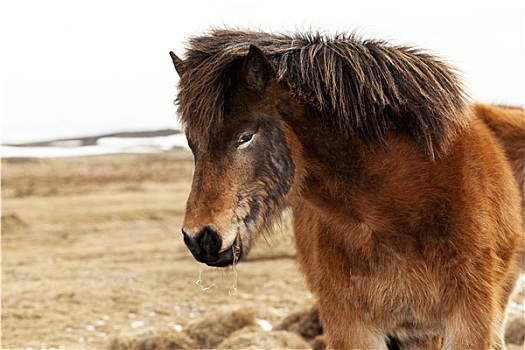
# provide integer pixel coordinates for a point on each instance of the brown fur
(508, 124)
(406, 212)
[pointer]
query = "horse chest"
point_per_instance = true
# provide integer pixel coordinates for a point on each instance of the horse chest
(385, 283)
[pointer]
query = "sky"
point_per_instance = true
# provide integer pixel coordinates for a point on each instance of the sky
(77, 68)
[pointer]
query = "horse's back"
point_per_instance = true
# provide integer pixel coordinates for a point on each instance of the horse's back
(494, 146)
(508, 124)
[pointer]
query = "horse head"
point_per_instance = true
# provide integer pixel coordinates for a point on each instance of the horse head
(244, 166)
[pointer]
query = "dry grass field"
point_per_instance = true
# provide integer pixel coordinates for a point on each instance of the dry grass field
(92, 257)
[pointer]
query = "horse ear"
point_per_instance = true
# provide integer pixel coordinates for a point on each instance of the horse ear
(178, 63)
(256, 70)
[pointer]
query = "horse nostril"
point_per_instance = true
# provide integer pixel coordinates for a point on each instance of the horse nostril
(209, 241)
(191, 243)
(205, 245)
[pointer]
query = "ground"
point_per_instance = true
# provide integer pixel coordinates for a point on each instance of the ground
(92, 254)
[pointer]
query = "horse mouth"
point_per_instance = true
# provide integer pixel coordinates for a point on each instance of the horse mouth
(227, 257)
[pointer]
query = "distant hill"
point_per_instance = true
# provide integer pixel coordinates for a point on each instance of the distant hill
(92, 140)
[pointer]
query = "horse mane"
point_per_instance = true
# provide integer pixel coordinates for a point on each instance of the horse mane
(360, 87)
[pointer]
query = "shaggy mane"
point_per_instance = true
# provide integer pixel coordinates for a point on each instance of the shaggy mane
(360, 87)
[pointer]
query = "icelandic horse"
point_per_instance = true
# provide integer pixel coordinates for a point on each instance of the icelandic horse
(406, 214)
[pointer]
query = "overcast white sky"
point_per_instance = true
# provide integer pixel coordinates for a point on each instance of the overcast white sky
(73, 68)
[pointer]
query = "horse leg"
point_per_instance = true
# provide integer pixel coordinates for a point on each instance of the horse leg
(470, 327)
(354, 337)
(429, 343)
(500, 319)
(342, 334)
(498, 331)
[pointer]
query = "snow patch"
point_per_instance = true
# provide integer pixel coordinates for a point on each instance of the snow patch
(105, 145)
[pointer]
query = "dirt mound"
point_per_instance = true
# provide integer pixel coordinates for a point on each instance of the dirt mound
(515, 332)
(212, 329)
(256, 338)
(224, 329)
(11, 223)
(149, 341)
(318, 343)
(303, 322)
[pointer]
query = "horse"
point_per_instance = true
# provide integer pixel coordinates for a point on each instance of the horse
(508, 124)
(406, 213)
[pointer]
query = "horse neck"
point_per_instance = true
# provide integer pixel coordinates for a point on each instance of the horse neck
(345, 178)
(335, 172)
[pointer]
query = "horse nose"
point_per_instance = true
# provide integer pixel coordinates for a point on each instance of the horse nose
(205, 245)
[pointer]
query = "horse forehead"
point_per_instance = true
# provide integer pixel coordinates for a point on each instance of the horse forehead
(238, 114)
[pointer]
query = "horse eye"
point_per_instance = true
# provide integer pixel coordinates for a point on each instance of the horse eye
(244, 140)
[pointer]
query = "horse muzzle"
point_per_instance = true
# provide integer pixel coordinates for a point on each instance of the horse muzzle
(206, 248)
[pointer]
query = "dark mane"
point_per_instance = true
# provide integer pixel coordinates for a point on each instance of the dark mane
(360, 87)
